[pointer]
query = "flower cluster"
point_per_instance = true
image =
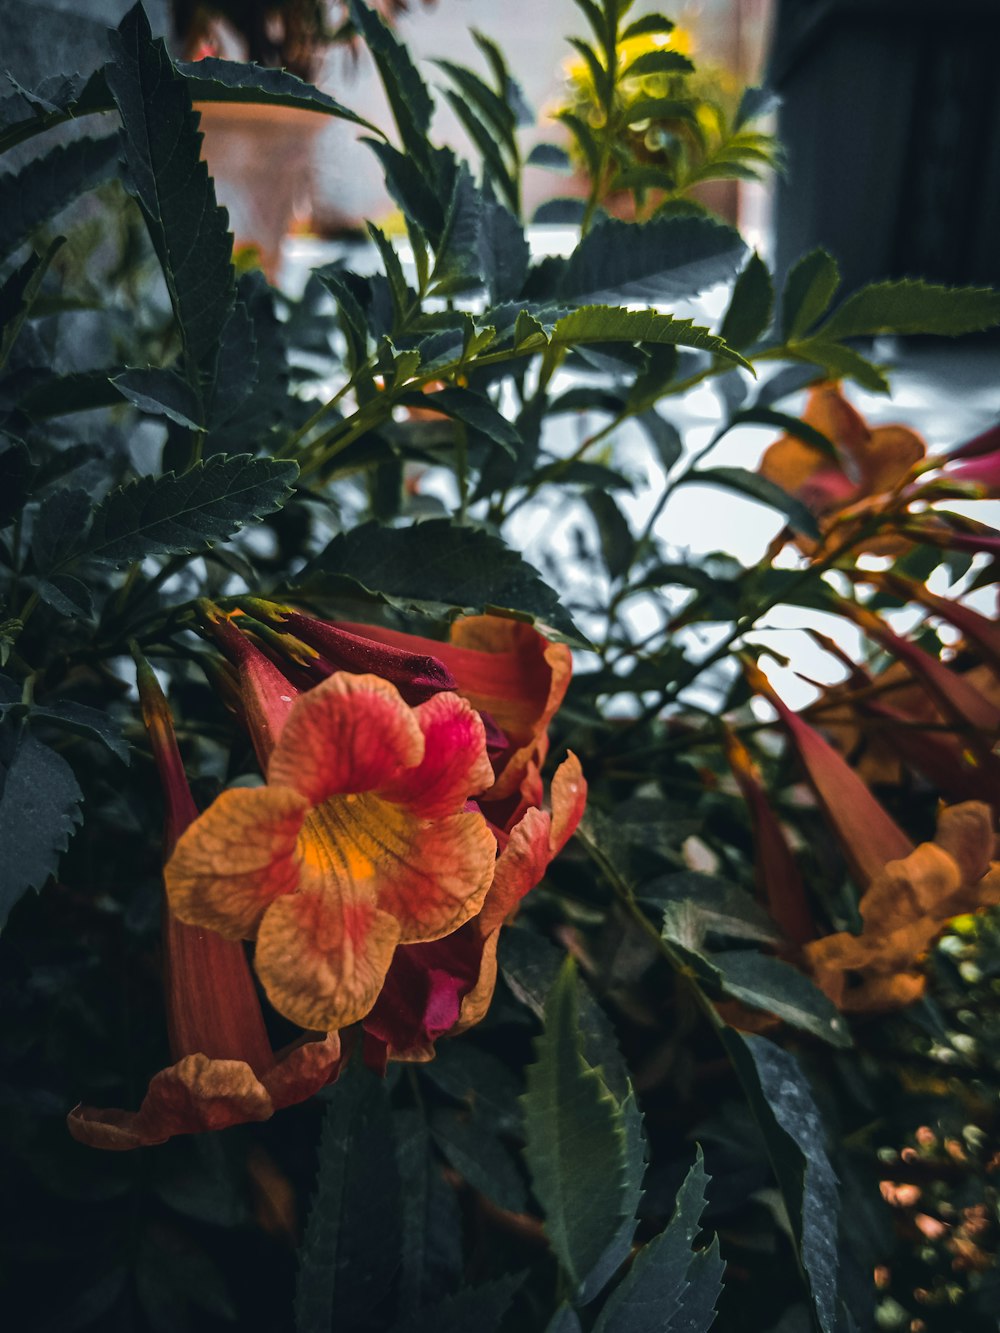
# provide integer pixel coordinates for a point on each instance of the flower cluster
(399, 825)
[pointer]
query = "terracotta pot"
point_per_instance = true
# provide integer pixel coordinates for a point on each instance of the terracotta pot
(260, 157)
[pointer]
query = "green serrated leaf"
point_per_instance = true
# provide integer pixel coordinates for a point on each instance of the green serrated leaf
(160, 393)
(214, 80)
(474, 409)
(176, 515)
(617, 541)
(809, 289)
(483, 244)
(801, 430)
(659, 261)
(575, 1141)
(46, 184)
(913, 306)
(409, 99)
(784, 1107)
(350, 1250)
(778, 988)
(656, 1294)
(19, 293)
(16, 475)
(600, 323)
(694, 903)
(434, 567)
(751, 306)
(67, 595)
(39, 811)
(91, 723)
(756, 487)
(657, 62)
(189, 231)
(840, 362)
(480, 1158)
(59, 524)
(481, 1307)
(650, 24)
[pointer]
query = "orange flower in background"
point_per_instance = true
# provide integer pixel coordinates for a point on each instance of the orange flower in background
(364, 867)
(225, 1072)
(909, 893)
(905, 909)
(868, 463)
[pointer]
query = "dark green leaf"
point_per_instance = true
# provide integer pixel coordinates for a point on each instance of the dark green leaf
(59, 525)
(663, 260)
(411, 189)
(409, 99)
(435, 566)
(783, 1105)
(840, 362)
(350, 1251)
(39, 812)
(654, 24)
(694, 904)
(576, 1143)
(481, 1308)
(66, 595)
(19, 293)
(493, 107)
(756, 487)
(83, 721)
(751, 306)
(479, 1080)
(160, 393)
(431, 1224)
(657, 62)
(778, 988)
(809, 289)
(475, 409)
(497, 172)
(480, 1159)
(189, 231)
(914, 306)
(214, 80)
(61, 395)
(45, 185)
(16, 474)
(660, 1291)
(565, 1320)
(237, 372)
(754, 103)
(483, 244)
(801, 430)
(617, 541)
(175, 515)
(549, 155)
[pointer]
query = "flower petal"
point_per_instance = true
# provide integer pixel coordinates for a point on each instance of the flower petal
(192, 1096)
(349, 734)
(966, 834)
(455, 765)
(569, 800)
(322, 957)
(504, 668)
(434, 876)
(304, 1069)
(235, 859)
(422, 996)
(520, 866)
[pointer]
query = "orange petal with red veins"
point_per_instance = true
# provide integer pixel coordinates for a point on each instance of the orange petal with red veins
(520, 866)
(455, 765)
(569, 799)
(792, 464)
(322, 958)
(433, 877)
(303, 1070)
(235, 859)
(349, 734)
(195, 1095)
(476, 1004)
